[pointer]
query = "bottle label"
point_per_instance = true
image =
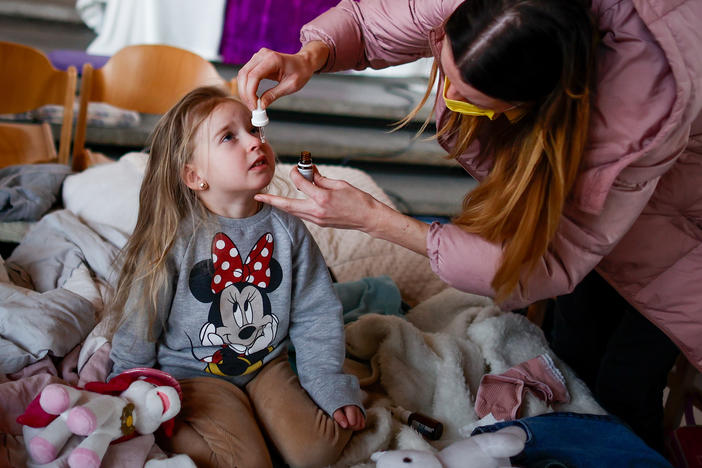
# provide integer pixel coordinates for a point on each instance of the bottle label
(422, 428)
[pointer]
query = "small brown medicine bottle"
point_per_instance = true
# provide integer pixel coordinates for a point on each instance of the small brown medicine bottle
(428, 427)
(305, 167)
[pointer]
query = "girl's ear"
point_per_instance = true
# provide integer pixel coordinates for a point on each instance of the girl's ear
(190, 177)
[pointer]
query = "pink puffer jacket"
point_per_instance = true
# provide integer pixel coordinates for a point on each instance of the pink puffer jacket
(636, 210)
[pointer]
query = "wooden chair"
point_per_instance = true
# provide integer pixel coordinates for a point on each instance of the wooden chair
(143, 78)
(27, 82)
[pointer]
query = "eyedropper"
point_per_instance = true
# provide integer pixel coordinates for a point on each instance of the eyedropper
(259, 119)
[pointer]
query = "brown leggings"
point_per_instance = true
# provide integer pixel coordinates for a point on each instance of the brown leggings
(220, 425)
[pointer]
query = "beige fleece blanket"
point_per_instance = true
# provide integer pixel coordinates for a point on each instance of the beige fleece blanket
(432, 361)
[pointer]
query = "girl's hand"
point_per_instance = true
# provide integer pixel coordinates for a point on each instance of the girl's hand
(350, 417)
(291, 71)
(330, 203)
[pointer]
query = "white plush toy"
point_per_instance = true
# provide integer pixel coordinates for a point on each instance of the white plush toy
(487, 450)
(134, 402)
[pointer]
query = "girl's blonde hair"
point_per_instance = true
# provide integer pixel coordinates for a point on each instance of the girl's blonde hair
(497, 45)
(164, 201)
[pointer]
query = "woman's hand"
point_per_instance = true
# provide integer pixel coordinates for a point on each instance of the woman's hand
(291, 71)
(350, 417)
(330, 203)
(338, 204)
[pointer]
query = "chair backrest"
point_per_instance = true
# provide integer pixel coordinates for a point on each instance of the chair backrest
(27, 82)
(143, 78)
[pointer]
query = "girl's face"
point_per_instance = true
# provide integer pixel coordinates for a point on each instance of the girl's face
(229, 156)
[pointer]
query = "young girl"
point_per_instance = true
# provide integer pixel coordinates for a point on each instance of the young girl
(213, 284)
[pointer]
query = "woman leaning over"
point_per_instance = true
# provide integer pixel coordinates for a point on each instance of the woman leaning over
(582, 124)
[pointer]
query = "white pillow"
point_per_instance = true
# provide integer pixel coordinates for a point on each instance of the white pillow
(107, 193)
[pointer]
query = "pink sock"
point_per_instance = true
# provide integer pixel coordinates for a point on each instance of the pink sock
(502, 394)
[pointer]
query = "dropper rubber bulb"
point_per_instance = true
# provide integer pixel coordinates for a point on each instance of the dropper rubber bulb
(259, 119)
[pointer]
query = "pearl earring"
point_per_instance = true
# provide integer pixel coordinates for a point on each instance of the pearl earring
(203, 185)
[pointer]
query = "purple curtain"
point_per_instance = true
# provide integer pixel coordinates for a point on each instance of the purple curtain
(252, 24)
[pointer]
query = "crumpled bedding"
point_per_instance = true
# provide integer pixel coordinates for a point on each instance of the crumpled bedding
(27, 191)
(432, 362)
(19, 389)
(59, 244)
(50, 291)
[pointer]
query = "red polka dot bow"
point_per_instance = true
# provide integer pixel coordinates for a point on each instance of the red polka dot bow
(228, 266)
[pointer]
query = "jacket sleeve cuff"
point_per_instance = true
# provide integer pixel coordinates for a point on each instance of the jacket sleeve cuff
(335, 392)
(463, 260)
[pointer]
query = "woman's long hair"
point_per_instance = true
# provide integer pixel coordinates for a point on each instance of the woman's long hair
(164, 201)
(539, 53)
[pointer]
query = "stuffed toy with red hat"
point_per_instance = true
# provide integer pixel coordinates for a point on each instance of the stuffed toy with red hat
(137, 401)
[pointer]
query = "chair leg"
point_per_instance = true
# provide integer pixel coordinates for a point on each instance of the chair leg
(537, 311)
(88, 158)
(680, 384)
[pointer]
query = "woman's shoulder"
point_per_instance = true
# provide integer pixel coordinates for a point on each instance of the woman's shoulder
(433, 14)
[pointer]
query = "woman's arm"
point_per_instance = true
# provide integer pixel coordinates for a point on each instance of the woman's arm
(291, 71)
(377, 33)
(338, 204)
(351, 35)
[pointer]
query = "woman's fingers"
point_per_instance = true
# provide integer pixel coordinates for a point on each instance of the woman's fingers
(286, 86)
(291, 205)
(327, 183)
(263, 64)
(263, 68)
(321, 183)
(245, 80)
(301, 183)
(289, 70)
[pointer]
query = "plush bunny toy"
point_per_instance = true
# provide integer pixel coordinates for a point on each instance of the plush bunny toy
(137, 401)
(488, 450)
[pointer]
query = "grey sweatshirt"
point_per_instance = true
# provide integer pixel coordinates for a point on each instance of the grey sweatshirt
(240, 289)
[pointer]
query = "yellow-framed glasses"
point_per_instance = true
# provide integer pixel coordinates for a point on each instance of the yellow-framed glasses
(463, 107)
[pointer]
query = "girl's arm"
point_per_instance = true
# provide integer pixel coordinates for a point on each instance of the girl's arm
(131, 344)
(131, 347)
(317, 328)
